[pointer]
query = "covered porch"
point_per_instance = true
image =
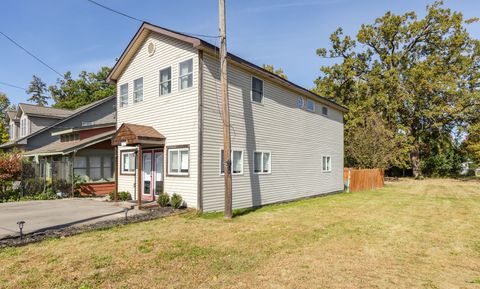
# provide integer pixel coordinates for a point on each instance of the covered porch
(139, 153)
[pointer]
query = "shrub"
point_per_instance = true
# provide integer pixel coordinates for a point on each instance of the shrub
(163, 199)
(176, 201)
(124, 196)
(111, 195)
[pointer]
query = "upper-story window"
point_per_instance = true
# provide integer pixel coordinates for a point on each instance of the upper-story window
(185, 75)
(123, 95)
(310, 105)
(300, 102)
(326, 163)
(138, 90)
(69, 137)
(257, 90)
(166, 81)
(23, 127)
(324, 110)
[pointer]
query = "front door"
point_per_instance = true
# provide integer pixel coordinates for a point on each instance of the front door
(152, 174)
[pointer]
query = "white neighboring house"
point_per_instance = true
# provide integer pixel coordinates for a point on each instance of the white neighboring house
(287, 142)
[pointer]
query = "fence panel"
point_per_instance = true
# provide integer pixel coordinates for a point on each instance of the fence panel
(363, 179)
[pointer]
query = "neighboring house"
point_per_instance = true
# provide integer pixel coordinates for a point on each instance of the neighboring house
(78, 142)
(28, 119)
(287, 142)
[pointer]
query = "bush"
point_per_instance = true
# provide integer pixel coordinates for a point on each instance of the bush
(176, 201)
(163, 199)
(124, 196)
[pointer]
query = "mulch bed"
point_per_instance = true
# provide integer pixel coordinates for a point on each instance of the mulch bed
(146, 215)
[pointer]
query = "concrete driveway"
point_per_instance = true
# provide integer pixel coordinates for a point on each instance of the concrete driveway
(41, 215)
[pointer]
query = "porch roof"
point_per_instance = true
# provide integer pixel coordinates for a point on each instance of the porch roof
(133, 134)
(62, 148)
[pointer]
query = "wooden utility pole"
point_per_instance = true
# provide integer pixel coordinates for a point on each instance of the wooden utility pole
(225, 113)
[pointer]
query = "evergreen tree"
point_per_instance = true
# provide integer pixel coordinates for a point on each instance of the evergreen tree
(36, 90)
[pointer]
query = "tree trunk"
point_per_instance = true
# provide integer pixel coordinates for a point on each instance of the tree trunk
(415, 159)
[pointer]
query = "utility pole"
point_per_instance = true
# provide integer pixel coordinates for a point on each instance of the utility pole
(225, 113)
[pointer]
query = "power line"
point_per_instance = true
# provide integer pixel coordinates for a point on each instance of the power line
(140, 20)
(31, 54)
(12, 85)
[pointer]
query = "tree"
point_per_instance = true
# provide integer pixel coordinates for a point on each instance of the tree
(4, 106)
(370, 144)
(278, 71)
(89, 87)
(420, 75)
(37, 89)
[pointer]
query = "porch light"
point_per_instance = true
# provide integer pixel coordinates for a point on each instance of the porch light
(123, 143)
(20, 226)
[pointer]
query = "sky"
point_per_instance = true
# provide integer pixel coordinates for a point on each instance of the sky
(76, 35)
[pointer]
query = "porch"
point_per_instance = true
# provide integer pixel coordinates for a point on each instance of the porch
(139, 154)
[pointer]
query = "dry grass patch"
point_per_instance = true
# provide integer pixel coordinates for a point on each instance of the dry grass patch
(410, 234)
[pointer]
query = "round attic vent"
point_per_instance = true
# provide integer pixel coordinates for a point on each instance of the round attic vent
(151, 48)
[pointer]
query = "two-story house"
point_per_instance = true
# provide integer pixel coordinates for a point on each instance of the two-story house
(287, 142)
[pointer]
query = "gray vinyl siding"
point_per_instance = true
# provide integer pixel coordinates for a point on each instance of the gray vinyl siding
(173, 115)
(296, 138)
(101, 114)
(37, 123)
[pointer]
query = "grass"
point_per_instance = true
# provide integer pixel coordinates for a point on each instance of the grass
(410, 234)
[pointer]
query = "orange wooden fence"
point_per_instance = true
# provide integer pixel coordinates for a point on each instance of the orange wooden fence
(364, 179)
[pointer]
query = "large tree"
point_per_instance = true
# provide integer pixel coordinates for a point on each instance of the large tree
(37, 90)
(88, 87)
(421, 76)
(4, 105)
(277, 71)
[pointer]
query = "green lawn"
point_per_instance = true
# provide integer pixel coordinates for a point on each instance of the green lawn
(411, 234)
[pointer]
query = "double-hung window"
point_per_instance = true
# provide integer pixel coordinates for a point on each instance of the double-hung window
(128, 162)
(310, 105)
(324, 110)
(124, 95)
(237, 162)
(262, 163)
(257, 90)
(138, 90)
(326, 164)
(185, 75)
(178, 161)
(166, 81)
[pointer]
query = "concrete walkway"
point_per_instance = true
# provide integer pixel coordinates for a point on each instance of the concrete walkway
(41, 215)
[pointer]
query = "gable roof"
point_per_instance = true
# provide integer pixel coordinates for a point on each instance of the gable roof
(59, 148)
(133, 134)
(74, 113)
(146, 28)
(11, 115)
(43, 111)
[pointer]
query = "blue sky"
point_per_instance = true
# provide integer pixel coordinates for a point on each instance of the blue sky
(76, 35)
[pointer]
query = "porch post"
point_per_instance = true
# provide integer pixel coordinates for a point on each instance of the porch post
(139, 176)
(116, 167)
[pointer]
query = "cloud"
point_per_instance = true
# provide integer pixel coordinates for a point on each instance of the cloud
(285, 5)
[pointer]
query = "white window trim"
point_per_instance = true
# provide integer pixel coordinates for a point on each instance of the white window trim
(133, 93)
(251, 90)
(160, 82)
(231, 158)
(261, 170)
(314, 105)
(329, 168)
(122, 166)
(170, 173)
(179, 88)
(120, 93)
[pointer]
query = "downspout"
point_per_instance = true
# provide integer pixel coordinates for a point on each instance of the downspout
(73, 173)
(200, 133)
